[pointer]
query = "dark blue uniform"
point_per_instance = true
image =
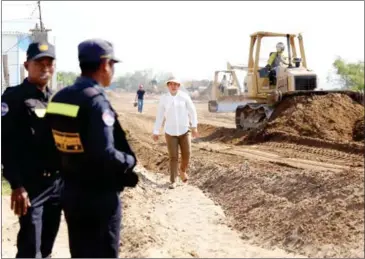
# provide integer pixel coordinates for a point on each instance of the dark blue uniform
(30, 160)
(97, 163)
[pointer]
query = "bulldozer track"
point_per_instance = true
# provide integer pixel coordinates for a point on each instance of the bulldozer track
(303, 151)
(324, 162)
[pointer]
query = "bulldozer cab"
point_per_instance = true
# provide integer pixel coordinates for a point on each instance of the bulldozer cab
(262, 81)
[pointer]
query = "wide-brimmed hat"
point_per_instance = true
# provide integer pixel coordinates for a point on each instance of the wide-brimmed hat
(173, 80)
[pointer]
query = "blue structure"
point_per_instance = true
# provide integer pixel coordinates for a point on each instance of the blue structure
(24, 42)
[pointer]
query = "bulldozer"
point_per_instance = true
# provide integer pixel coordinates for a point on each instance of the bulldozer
(226, 99)
(227, 94)
(264, 90)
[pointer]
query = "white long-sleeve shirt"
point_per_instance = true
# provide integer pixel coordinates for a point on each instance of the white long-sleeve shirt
(176, 110)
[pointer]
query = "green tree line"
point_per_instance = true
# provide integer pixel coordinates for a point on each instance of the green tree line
(349, 75)
(152, 81)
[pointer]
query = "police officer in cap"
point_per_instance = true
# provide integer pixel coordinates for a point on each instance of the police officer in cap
(29, 157)
(97, 161)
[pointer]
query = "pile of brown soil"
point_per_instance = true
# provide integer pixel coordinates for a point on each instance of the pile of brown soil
(220, 134)
(317, 214)
(330, 117)
(330, 121)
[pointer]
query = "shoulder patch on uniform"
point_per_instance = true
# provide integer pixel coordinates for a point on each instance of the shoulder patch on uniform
(108, 117)
(4, 108)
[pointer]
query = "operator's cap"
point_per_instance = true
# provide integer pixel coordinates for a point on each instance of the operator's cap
(37, 50)
(94, 50)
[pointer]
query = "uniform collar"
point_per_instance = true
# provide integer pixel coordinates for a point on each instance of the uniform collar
(87, 82)
(34, 90)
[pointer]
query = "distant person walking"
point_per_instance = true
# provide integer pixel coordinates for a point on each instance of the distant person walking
(140, 96)
(176, 107)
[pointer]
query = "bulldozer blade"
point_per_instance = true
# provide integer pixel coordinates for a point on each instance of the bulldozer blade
(354, 95)
(224, 107)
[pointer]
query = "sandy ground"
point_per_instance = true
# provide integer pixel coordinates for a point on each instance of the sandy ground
(162, 223)
(10, 228)
(270, 199)
(180, 223)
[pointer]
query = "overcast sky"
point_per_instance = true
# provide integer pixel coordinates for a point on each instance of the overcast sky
(192, 39)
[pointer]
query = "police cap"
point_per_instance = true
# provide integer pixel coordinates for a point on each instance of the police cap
(95, 50)
(37, 50)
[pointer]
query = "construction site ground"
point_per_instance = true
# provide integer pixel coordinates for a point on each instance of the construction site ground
(283, 195)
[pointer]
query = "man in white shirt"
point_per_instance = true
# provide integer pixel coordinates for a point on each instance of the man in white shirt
(176, 107)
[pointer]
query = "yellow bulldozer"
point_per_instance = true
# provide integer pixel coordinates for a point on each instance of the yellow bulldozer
(263, 88)
(225, 91)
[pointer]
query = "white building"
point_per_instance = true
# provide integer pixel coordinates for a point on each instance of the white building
(15, 45)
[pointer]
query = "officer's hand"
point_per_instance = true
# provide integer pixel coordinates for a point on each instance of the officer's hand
(20, 201)
(131, 179)
(126, 179)
(155, 137)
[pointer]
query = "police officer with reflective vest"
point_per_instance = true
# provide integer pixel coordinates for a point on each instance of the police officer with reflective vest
(97, 161)
(29, 157)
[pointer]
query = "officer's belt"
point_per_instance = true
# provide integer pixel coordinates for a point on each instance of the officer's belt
(50, 174)
(41, 175)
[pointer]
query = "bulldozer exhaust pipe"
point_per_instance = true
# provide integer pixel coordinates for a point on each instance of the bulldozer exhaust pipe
(289, 49)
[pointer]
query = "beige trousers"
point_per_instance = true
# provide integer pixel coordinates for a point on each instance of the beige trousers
(173, 143)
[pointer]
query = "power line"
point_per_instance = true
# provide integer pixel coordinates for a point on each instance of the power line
(12, 4)
(31, 14)
(42, 29)
(20, 40)
(24, 21)
(30, 17)
(18, 19)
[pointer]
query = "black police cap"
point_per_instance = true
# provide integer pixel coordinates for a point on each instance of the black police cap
(95, 50)
(37, 50)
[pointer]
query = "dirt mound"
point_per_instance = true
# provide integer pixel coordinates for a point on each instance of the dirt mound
(318, 214)
(330, 121)
(331, 117)
(221, 134)
(359, 130)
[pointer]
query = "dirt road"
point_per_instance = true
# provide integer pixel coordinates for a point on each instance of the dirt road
(270, 199)
(162, 223)
(306, 199)
(168, 223)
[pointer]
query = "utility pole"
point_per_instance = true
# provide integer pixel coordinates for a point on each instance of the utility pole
(40, 16)
(40, 34)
